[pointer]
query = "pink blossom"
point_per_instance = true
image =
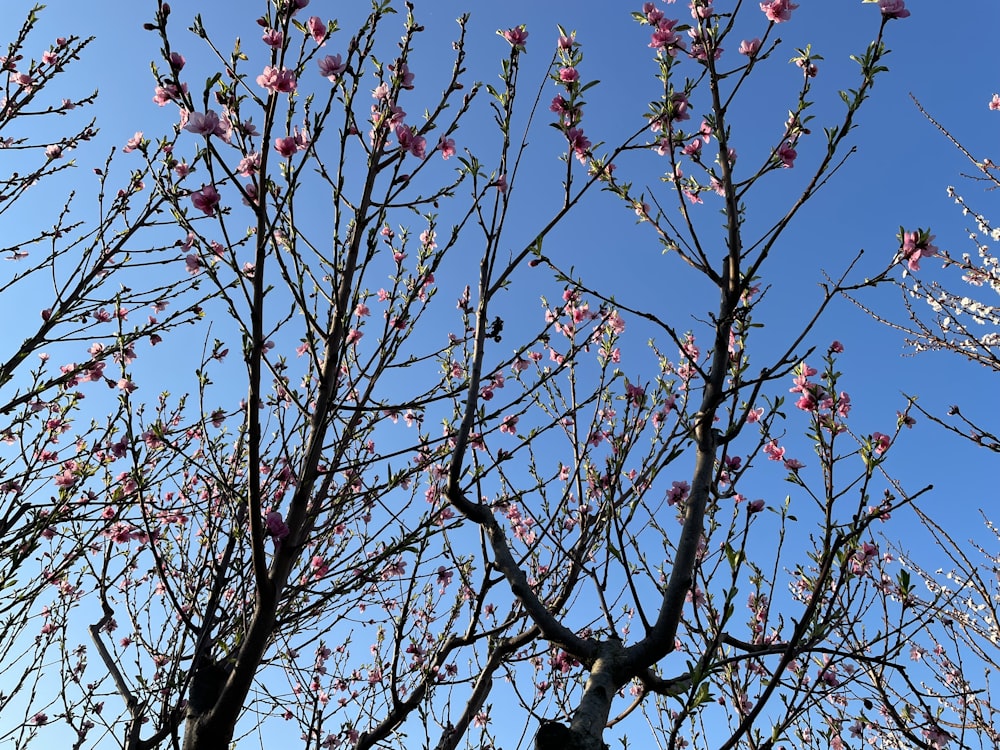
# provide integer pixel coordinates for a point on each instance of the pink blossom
(778, 11)
(133, 143)
(332, 67)
(206, 123)
(403, 75)
(517, 36)
(319, 567)
(652, 13)
(444, 576)
(773, 451)
(280, 81)
(286, 146)
(317, 28)
(893, 8)
(53, 151)
(168, 92)
(678, 493)
(206, 200)
(755, 506)
(66, 479)
(24, 80)
(276, 526)
(273, 38)
(880, 443)
(995, 102)
(410, 141)
(569, 75)
(578, 142)
(750, 47)
(917, 245)
(447, 147)
(509, 424)
(665, 38)
(787, 155)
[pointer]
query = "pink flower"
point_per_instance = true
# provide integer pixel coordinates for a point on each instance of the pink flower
(281, 81)
(168, 92)
(773, 451)
(447, 147)
(569, 75)
(444, 576)
(273, 38)
(917, 245)
(893, 8)
(410, 141)
(880, 443)
(665, 37)
(750, 47)
(787, 154)
(778, 11)
(755, 506)
(204, 123)
(319, 567)
(133, 143)
(206, 200)
(509, 424)
(995, 102)
(66, 479)
(54, 151)
(517, 36)
(276, 526)
(317, 28)
(286, 146)
(578, 142)
(403, 74)
(332, 66)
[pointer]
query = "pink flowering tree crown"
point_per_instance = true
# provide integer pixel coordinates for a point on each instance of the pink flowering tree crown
(83, 307)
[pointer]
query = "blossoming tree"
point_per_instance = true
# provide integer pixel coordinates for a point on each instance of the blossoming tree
(950, 308)
(376, 515)
(79, 305)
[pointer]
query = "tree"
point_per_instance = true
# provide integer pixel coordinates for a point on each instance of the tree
(282, 549)
(85, 279)
(955, 316)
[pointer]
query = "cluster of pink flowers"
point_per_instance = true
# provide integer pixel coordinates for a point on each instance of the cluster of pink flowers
(279, 81)
(664, 38)
(289, 145)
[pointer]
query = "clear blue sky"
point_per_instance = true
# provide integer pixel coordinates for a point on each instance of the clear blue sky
(897, 177)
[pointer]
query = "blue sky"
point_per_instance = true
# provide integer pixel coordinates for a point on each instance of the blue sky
(897, 177)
